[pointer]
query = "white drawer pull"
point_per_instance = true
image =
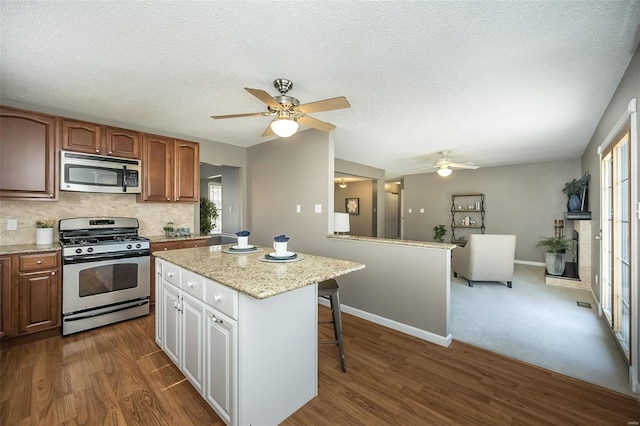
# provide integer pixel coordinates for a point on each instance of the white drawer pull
(217, 298)
(189, 284)
(169, 274)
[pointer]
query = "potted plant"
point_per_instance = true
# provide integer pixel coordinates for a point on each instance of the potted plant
(439, 232)
(44, 232)
(208, 215)
(169, 229)
(576, 190)
(556, 253)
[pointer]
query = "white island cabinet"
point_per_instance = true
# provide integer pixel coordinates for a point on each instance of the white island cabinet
(253, 360)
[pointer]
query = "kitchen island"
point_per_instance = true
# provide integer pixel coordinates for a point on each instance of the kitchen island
(243, 331)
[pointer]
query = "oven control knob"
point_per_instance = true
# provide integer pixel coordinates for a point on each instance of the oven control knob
(90, 249)
(78, 250)
(128, 246)
(138, 245)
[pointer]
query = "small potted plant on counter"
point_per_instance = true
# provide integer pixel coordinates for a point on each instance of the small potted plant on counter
(556, 253)
(169, 229)
(44, 232)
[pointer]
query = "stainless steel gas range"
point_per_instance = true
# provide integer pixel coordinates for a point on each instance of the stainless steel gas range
(105, 272)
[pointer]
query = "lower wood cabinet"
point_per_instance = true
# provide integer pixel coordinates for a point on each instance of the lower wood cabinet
(30, 293)
(5, 296)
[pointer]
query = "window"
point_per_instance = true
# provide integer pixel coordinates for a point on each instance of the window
(215, 195)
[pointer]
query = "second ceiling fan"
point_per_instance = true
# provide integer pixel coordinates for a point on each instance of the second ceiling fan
(445, 165)
(288, 111)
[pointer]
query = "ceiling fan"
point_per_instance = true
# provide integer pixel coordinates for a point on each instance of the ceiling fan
(288, 111)
(445, 165)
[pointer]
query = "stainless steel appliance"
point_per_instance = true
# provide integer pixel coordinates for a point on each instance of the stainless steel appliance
(105, 272)
(97, 173)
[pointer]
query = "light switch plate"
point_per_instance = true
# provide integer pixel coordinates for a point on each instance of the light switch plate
(421, 210)
(409, 210)
(318, 208)
(297, 208)
(12, 224)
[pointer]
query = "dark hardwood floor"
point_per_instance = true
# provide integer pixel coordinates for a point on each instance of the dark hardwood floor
(117, 375)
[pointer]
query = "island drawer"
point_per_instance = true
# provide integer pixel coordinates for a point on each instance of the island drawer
(222, 298)
(192, 284)
(171, 273)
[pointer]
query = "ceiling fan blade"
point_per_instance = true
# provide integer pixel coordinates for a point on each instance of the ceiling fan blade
(316, 124)
(463, 166)
(264, 97)
(251, 114)
(325, 105)
(268, 131)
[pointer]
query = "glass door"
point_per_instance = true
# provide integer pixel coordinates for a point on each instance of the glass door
(616, 240)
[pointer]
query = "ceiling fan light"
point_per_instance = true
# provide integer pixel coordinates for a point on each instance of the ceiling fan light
(444, 171)
(284, 127)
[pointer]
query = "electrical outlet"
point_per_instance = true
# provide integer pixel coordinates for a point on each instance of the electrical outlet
(12, 224)
(318, 208)
(298, 208)
(409, 210)
(421, 210)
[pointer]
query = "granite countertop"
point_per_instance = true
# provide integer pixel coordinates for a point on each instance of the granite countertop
(28, 248)
(245, 273)
(427, 244)
(165, 239)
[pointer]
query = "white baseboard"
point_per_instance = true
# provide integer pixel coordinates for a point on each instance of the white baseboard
(394, 325)
(527, 262)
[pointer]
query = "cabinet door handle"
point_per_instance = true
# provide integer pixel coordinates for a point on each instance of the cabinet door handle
(167, 198)
(98, 151)
(51, 195)
(215, 319)
(39, 262)
(195, 245)
(165, 249)
(110, 152)
(178, 199)
(53, 273)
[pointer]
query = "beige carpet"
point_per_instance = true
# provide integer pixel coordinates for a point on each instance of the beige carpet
(539, 324)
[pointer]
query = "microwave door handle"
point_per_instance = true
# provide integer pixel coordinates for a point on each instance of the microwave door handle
(124, 178)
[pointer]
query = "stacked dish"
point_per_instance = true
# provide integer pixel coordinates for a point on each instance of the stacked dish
(238, 249)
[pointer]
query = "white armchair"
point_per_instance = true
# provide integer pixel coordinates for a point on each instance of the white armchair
(486, 257)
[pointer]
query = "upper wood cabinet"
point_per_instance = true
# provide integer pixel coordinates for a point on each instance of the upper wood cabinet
(28, 146)
(93, 138)
(170, 170)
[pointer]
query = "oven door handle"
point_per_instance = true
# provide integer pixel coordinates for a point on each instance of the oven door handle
(69, 260)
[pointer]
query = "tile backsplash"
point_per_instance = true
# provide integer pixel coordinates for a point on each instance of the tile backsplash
(152, 216)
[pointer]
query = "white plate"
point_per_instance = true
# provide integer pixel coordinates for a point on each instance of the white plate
(248, 247)
(287, 254)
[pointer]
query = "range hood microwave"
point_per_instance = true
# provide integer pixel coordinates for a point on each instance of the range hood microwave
(97, 173)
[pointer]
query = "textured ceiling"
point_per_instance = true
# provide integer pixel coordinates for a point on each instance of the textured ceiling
(495, 83)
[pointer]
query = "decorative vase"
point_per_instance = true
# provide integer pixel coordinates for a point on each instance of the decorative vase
(574, 203)
(555, 262)
(44, 236)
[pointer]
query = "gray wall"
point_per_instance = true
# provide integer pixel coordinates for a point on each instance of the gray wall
(523, 200)
(628, 89)
(362, 224)
(401, 283)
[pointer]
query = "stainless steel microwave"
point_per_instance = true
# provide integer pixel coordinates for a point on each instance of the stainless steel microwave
(97, 173)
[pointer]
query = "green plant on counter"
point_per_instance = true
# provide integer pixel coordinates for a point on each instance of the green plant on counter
(439, 231)
(208, 215)
(168, 227)
(44, 224)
